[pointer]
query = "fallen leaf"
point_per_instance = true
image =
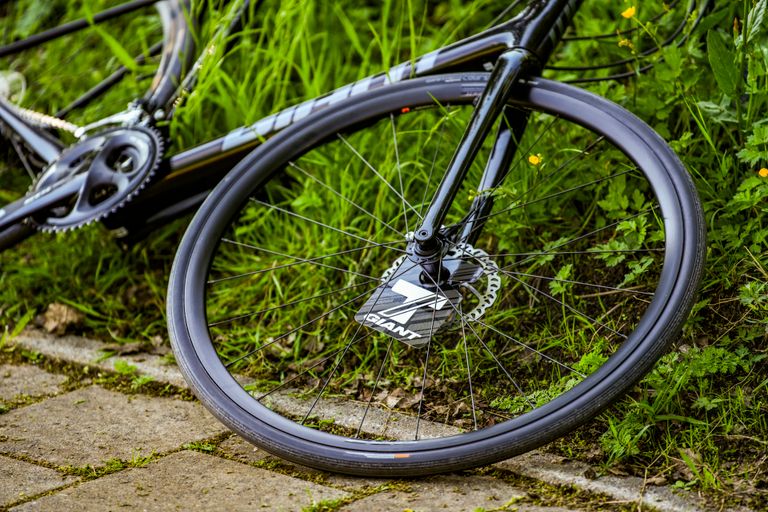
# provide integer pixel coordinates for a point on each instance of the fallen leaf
(60, 317)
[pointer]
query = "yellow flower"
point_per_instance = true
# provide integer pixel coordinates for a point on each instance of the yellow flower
(534, 159)
(629, 12)
(763, 172)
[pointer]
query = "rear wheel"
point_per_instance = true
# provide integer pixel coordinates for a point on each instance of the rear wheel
(302, 321)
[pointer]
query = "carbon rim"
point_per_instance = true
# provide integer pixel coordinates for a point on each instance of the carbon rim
(643, 345)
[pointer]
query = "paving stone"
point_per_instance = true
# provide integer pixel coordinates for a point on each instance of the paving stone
(19, 479)
(89, 430)
(556, 470)
(27, 380)
(87, 352)
(91, 425)
(448, 492)
(188, 481)
(536, 508)
(239, 449)
(383, 422)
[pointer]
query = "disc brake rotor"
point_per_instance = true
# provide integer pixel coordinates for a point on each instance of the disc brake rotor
(111, 167)
(487, 280)
(411, 310)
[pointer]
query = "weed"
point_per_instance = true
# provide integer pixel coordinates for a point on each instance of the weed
(201, 447)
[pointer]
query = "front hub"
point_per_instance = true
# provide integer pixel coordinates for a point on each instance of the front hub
(411, 305)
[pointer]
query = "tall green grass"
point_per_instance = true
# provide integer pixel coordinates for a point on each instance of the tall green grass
(698, 420)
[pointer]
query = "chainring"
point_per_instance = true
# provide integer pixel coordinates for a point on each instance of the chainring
(112, 166)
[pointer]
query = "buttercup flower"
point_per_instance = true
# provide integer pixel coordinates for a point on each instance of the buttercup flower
(629, 12)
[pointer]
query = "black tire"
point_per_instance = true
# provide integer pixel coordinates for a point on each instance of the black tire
(222, 293)
(69, 73)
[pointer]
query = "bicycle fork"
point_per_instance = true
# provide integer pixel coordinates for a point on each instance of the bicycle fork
(510, 66)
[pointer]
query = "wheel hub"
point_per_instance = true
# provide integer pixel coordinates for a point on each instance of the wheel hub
(411, 306)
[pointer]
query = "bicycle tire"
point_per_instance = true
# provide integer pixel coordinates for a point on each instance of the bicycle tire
(267, 178)
(155, 35)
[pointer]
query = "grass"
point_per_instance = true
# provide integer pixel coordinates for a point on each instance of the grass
(698, 419)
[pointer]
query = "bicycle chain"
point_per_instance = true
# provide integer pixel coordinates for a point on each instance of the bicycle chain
(44, 120)
(7, 81)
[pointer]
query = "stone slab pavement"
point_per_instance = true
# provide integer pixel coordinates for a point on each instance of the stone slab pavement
(79, 446)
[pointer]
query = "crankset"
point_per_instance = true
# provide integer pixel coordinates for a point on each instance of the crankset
(89, 180)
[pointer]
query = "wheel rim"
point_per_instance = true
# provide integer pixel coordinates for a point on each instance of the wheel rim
(285, 213)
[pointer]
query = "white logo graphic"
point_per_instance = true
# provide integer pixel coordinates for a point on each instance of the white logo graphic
(415, 298)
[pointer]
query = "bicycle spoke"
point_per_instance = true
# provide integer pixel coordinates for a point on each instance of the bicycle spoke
(528, 347)
(587, 235)
(378, 175)
(347, 200)
(555, 194)
(541, 181)
(333, 371)
(313, 261)
(582, 283)
(623, 33)
(283, 306)
(498, 363)
(485, 346)
(428, 184)
(426, 357)
(338, 361)
(571, 308)
(399, 170)
(375, 385)
(319, 317)
(514, 165)
(469, 368)
(316, 222)
(307, 370)
(570, 253)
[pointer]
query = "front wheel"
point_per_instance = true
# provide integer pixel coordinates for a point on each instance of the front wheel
(302, 321)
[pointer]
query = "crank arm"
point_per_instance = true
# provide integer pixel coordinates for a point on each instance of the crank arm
(15, 234)
(39, 202)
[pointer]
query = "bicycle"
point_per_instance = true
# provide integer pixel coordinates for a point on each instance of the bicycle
(451, 265)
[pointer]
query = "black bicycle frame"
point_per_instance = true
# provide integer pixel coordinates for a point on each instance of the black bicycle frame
(512, 50)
